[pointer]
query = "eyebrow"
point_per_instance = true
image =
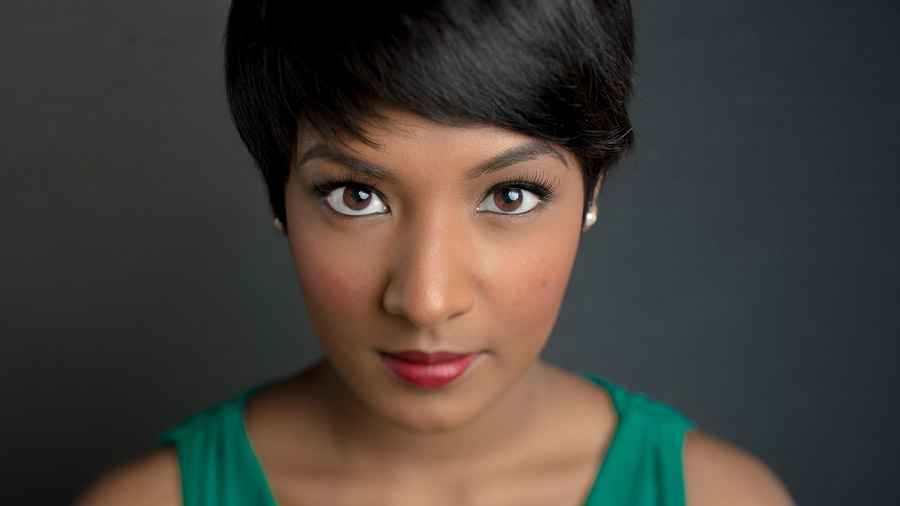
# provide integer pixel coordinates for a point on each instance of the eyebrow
(353, 163)
(523, 153)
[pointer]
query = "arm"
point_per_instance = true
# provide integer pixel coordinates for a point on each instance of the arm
(717, 473)
(152, 480)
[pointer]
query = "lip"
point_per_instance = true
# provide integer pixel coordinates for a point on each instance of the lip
(428, 370)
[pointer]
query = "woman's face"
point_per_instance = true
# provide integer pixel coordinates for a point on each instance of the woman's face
(457, 240)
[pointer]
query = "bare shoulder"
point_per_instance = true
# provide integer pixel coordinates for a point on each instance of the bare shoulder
(151, 480)
(716, 472)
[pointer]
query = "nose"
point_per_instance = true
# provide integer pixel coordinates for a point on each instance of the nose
(431, 275)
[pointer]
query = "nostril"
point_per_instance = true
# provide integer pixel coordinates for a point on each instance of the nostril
(419, 310)
(428, 304)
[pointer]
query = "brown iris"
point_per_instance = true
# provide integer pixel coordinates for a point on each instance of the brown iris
(508, 199)
(356, 198)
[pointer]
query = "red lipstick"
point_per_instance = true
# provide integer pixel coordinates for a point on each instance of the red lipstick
(428, 370)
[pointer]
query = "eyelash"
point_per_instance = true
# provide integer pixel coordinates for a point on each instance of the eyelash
(322, 187)
(538, 184)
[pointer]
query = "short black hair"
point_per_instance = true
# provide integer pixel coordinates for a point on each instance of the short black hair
(558, 70)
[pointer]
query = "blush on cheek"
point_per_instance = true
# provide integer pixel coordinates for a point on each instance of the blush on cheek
(529, 293)
(334, 284)
(543, 300)
(541, 278)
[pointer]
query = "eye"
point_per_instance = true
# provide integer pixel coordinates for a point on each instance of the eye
(355, 200)
(509, 200)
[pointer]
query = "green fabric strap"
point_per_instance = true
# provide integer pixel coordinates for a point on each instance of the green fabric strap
(218, 466)
(642, 466)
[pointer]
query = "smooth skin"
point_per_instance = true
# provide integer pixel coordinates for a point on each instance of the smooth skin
(437, 238)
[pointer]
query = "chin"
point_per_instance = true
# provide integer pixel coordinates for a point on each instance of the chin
(440, 413)
(429, 422)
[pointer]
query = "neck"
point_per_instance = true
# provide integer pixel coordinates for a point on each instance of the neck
(364, 436)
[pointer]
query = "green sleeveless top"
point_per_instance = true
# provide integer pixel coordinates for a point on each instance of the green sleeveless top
(642, 466)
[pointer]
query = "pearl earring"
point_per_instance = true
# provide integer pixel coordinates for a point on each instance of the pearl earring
(590, 218)
(279, 225)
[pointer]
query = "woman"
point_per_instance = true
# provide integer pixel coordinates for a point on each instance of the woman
(433, 166)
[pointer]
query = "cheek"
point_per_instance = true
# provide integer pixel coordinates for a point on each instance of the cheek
(527, 293)
(334, 278)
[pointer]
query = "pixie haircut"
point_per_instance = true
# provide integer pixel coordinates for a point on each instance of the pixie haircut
(557, 70)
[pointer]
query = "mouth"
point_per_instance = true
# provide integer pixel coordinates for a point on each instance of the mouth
(428, 370)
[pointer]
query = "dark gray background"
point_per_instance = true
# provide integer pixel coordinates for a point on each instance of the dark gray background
(744, 267)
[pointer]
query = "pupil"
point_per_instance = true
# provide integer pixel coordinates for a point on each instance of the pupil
(359, 195)
(509, 196)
